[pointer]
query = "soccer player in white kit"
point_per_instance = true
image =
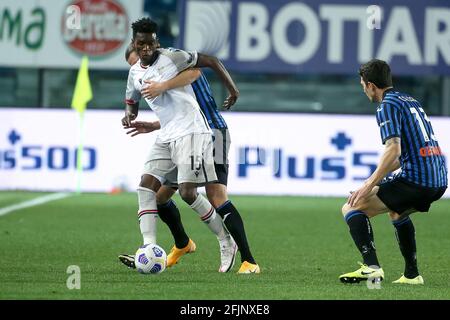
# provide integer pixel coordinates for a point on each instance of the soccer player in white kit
(216, 192)
(185, 138)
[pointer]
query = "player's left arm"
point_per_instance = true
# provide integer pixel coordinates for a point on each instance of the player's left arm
(154, 89)
(204, 60)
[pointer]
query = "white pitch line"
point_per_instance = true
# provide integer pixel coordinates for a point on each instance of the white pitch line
(34, 202)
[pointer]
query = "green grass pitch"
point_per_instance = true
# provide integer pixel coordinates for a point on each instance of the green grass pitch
(302, 245)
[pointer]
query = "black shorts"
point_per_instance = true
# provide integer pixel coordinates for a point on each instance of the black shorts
(221, 141)
(402, 196)
(222, 173)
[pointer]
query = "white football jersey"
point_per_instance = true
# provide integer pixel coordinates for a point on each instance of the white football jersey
(176, 109)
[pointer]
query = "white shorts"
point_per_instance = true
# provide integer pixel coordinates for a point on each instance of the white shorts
(191, 156)
(221, 147)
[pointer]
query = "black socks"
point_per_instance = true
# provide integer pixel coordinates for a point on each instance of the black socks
(235, 226)
(406, 237)
(362, 234)
(170, 214)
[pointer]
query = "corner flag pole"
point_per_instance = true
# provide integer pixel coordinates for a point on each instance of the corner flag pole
(81, 96)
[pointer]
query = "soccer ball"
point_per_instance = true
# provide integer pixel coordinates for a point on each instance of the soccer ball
(150, 258)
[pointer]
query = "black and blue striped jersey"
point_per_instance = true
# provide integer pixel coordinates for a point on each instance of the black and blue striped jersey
(422, 161)
(207, 103)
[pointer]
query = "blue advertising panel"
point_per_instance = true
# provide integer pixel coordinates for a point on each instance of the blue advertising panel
(319, 36)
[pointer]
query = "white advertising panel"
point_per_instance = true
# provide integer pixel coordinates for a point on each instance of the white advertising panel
(271, 154)
(56, 33)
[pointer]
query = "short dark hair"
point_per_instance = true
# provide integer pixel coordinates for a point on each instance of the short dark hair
(378, 72)
(128, 51)
(144, 25)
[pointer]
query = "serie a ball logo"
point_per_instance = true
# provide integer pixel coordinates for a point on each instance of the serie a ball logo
(150, 259)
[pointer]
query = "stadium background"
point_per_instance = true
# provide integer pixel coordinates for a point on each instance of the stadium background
(301, 127)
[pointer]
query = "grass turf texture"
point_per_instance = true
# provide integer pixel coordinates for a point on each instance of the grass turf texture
(302, 245)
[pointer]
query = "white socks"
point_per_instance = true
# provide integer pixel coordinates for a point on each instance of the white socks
(147, 214)
(209, 216)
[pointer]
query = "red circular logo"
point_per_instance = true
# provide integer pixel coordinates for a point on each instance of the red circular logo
(95, 27)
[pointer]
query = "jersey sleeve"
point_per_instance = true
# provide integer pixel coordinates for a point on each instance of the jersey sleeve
(182, 59)
(132, 95)
(389, 121)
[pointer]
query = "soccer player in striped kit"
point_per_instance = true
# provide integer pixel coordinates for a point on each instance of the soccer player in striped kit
(216, 192)
(412, 147)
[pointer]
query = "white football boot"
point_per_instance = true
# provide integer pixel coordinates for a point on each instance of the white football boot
(228, 250)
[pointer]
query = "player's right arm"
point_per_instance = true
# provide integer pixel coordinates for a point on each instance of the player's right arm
(389, 120)
(154, 89)
(388, 163)
(132, 97)
(204, 60)
(131, 112)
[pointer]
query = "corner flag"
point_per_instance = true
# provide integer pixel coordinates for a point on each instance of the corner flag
(83, 92)
(81, 96)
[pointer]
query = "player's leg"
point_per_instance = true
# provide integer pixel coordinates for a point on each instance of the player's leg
(199, 204)
(166, 214)
(170, 215)
(357, 218)
(406, 238)
(206, 212)
(194, 157)
(217, 195)
(148, 212)
(412, 199)
(158, 164)
(228, 246)
(209, 216)
(196, 167)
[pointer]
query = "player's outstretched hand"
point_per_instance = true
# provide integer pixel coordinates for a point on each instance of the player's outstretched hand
(152, 89)
(138, 127)
(231, 100)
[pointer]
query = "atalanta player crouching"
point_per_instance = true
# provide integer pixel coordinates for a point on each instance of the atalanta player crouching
(411, 145)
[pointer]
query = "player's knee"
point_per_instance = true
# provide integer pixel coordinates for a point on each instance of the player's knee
(394, 216)
(164, 194)
(217, 201)
(150, 182)
(216, 196)
(346, 208)
(161, 198)
(188, 195)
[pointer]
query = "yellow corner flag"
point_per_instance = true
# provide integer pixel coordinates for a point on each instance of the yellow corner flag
(83, 92)
(81, 96)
